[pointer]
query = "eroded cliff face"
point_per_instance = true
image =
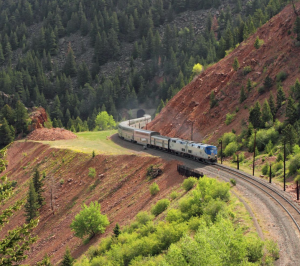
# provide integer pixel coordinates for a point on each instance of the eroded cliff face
(279, 52)
(121, 186)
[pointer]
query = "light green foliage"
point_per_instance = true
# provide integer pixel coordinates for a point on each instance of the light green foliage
(174, 195)
(230, 149)
(236, 64)
(269, 146)
(104, 121)
(241, 157)
(217, 238)
(233, 181)
(189, 183)
(247, 70)
(229, 118)
(197, 69)
(92, 172)
(228, 138)
(258, 43)
(296, 149)
(294, 164)
(154, 189)
(262, 138)
(160, 206)
(89, 221)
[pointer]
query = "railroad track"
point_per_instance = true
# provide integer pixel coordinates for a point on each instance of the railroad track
(292, 210)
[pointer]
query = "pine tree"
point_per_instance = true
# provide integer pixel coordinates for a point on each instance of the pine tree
(291, 111)
(257, 43)
(266, 113)
(243, 95)
(268, 83)
(249, 85)
(290, 136)
(67, 260)
(236, 64)
(6, 134)
(38, 186)
(52, 44)
(297, 89)
(255, 116)
(280, 97)
(31, 206)
(70, 65)
(272, 105)
(117, 230)
(297, 28)
(2, 59)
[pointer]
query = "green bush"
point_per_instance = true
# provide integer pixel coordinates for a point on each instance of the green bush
(247, 70)
(279, 157)
(254, 249)
(143, 217)
(160, 206)
(154, 189)
(231, 149)
(174, 195)
(241, 157)
(294, 164)
(272, 249)
(213, 208)
(229, 118)
(228, 138)
(263, 136)
(233, 181)
(265, 169)
(281, 76)
(92, 172)
(189, 183)
(174, 215)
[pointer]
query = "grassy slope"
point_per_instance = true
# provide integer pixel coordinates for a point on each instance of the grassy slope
(88, 142)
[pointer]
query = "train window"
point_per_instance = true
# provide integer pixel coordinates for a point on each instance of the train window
(189, 151)
(174, 141)
(183, 149)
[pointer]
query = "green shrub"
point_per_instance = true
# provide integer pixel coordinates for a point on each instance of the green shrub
(174, 215)
(294, 164)
(281, 76)
(272, 249)
(93, 154)
(154, 189)
(189, 183)
(261, 90)
(233, 181)
(258, 43)
(174, 195)
(241, 157)
(263, 137)
(247, 70)
(229, 118)
(160, 206)
(92, 172)
(279, 157)
(254, 249)
(231, 149)
(143, 217)
(213, 208)
(265, 169)
(61, 181)
(228, 138)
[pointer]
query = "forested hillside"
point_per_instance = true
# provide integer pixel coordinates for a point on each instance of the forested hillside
(76, 58)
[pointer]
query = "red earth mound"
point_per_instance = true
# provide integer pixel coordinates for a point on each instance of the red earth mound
(190, 108)
(51, 134)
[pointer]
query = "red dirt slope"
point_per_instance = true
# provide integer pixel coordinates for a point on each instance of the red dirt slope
(192, 103)
(51, 134)
(123, 191)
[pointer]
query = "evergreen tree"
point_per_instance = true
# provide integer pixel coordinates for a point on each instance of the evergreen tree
(117, 230)
(38, 186)
(21, 117)
(243, 95)
(272, 105)
(2, 59)
(268, 83)
(31, 206)
(291, 111)
(67, 260)
(290, 137)
(70, 65)
(255, 115)
(297, 28)
(266, 113)
(236, 64)
(280, 97)
(249, 85)
(297, 89)
(52, 44)
(6, 134)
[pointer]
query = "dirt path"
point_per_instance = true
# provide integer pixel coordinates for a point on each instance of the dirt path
(273, 221)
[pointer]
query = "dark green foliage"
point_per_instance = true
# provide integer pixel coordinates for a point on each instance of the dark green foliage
(268, 83)
(32, 205)
(272, 105)
(255, 116)
(236, 64)
(67, 260)
(297, 28)
(280, 97)
(6, 133)
(117, 230)
(213, 100)
(290, 137)
(70, 68)
(45, 261)
(281, 76)
(243, 95)
(291, 111)
(267, 116)
(38, 186)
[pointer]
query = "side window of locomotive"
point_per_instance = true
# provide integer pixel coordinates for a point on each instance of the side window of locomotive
(189, 151)
(183, 149)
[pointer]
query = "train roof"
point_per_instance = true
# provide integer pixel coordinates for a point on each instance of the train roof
(161, 137)
(145, 131)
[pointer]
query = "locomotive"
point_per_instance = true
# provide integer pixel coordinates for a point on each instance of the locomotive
(133, 130)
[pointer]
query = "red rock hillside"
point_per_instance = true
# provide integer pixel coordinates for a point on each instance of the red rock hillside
(192, 104)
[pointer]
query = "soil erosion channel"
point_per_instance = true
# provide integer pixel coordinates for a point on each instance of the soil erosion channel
(272, 219)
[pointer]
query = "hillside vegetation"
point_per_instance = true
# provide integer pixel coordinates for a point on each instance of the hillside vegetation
(78, 58)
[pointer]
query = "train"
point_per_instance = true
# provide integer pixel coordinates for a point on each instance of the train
(134, 130)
